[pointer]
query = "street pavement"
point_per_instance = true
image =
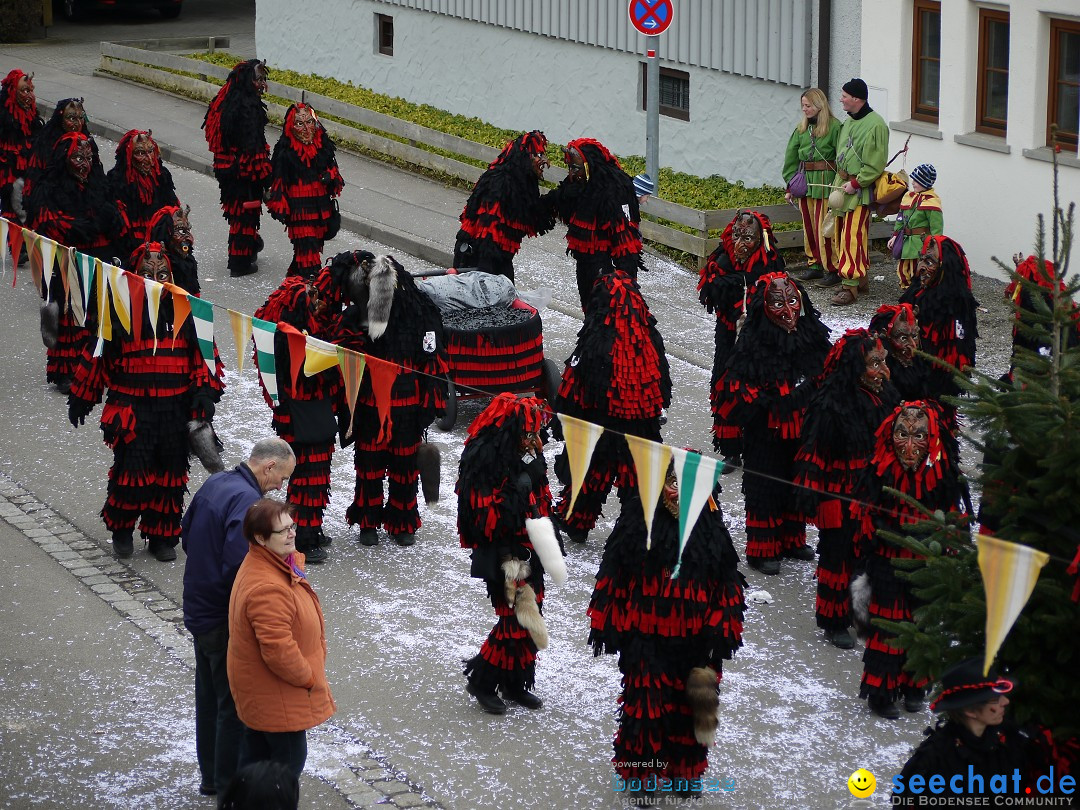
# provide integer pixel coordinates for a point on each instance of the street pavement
(98, 708)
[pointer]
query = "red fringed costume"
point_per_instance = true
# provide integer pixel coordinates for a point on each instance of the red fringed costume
(672, 635)
(947, 316)
(172, 227)
(391, 320)
(307, 409)
(19, 123)
(757, 409)
(140, 184)
(497, 490)
(1035, 337)
(67, 116)
(837, 441)
(936, 484)
(898, 329)
(303, 186)
(599, 206)
(155, 388)
(235, 126)
(617, 377)
(504, 208)
(74, 211)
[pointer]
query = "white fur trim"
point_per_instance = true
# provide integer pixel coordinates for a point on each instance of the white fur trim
(542, 536)
(382, 280)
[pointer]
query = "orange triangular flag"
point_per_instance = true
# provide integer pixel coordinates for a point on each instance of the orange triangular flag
(297, 342)
(37, 262)
(181, 307)
(352, 372)
(15, 242)
(137, 302)
(383, 375)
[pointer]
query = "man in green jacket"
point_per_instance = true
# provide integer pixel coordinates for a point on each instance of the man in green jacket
(860, 159)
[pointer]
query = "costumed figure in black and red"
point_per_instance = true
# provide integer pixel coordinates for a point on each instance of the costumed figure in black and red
(914, 454)
(947, 314)
(70, 205)
(140, 184)
(757, 408)
(1034, 337)
(672, 622)
(746, 252)
(505, 207)
(851, 397)
(898, 328)
(19, 123)
(391, 320)
(171, 226)
(161, 398)
(599, 206)
(235, 126)
(617, 377)
(306, 409)
(68, 116)
(504, 508)
(303, 186)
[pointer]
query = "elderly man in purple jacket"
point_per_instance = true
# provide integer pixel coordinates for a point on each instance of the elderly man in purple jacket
(212, 536)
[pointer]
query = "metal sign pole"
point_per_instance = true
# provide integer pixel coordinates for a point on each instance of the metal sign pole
(652, 117)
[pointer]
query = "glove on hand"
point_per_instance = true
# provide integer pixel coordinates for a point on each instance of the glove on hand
(78, 409)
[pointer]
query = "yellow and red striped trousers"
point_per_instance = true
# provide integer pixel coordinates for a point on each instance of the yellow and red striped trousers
(852, 243)
(819, 250)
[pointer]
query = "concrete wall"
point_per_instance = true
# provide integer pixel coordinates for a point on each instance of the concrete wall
(738, 128)
(991, 188)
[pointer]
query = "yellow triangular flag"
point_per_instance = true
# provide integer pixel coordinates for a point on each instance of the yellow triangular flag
(318, 356)
(121, 295)
(1009, 573)
(154, 290)
(104, 318)
(651, 459)
(241, 330)
(581, 438)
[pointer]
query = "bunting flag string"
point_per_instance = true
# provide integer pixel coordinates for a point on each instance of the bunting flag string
(32, 242)
(3, 241)
(121, 294)
(319, 356)
(383, 374)
(65, 256)
(297, 351)
(138, 298)
(697, 476)
(154, 290)
(262, 332)
(581, 438)
(82, 271)
(241, 330)
(181, 305)
(1009, 573)
(202, 313)
(15, 242)
(352, 372)
(103, 317)
(651, 460)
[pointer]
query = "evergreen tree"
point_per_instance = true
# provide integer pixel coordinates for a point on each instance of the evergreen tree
(1028, 428)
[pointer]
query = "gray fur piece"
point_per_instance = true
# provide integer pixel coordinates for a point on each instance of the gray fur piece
(382, 281)
(204, 445)
(17, 199)
(860, 605)
(527, 612)
(50, 323)
(704, 698)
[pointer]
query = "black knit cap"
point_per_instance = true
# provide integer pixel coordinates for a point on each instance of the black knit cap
(856, 88)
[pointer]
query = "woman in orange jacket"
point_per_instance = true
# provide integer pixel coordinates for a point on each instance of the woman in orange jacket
(277, 643)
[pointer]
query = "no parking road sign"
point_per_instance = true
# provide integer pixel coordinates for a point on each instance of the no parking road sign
(651, 17)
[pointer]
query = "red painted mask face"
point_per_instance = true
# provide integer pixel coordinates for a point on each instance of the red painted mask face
(929, 265)
(783, 304)
(79, 161)
(531, 444)
(155, 266)
(304, 126)
(670, 494)
(260, 78)
(877, 370)
(911, 438)
(904, 340)
(746, 235)
(143, 152)
(539, 164)
(73, 117)
(24, 93)
(575, 165)
(183, 240)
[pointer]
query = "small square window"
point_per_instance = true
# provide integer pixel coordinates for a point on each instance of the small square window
(384, 34)
(674, 92)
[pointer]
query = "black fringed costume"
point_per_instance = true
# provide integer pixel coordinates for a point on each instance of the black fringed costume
(392, 320)
(42, 147)
(235, 126)
(601, 213)
(171, 227)
(18, 126)
(75, 214)
(910, 378)
(837, 441)
(947, 316)
(139, 196)
(303, 186)
(155, 388)
(670, 634)
(935, 484)
(757, 408)
(497, 490)
(1021, 297)
(617, 377)
(307, 409)
(503, 208)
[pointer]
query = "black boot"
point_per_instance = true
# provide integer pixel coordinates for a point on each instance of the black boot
(123, 542)
(162, 550)
(488, 700)
(307, 543)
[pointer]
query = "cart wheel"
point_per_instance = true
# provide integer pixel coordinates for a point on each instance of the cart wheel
(551, 379)
(447, 421)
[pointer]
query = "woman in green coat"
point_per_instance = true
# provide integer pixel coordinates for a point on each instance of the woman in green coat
(813, 146)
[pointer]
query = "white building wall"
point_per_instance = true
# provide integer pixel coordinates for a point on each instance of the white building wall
(738, 126)
(991, 188)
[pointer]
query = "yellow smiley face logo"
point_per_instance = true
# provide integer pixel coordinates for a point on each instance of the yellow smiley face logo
(862, 783)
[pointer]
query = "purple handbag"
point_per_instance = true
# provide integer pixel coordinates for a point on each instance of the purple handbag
(898, 245)
(797, 185)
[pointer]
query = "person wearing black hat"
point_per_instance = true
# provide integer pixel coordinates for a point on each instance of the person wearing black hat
(862, 152)
(971, 739)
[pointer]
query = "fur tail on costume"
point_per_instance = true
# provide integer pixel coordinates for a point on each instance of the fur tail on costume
(542, 536)
(204, 445)
(704, 701)
(860, 605)
(528, 615)
(382, 279)
(17, 199)
(50, 323)
(429, 463)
